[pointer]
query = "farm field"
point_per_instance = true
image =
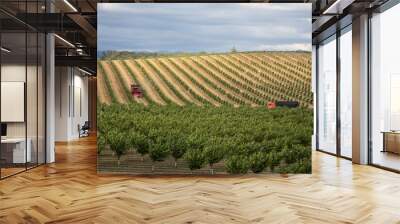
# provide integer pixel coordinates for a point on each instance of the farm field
(236, 79)
(139, 139)
(205, 114)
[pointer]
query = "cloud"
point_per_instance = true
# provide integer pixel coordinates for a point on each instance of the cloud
(277, 7)
(203, 27)
(285, 47)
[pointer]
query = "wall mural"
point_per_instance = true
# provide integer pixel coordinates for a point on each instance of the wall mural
(204, 89)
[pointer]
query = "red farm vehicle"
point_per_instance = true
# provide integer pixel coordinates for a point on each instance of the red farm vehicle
(136, 91)
(288, 104)
(271, 105)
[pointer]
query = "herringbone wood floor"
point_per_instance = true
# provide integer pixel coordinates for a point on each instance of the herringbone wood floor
(70, 191)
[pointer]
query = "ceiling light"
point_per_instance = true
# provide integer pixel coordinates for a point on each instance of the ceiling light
(79, 51)
(338, 6)
(333, 6)
(65, 41)
(5, 50)
(84, 71)
(80, 45)
(70, 5)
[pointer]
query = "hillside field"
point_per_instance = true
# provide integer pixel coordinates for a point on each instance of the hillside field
(251, 78)
(138, 139)
(205, 114)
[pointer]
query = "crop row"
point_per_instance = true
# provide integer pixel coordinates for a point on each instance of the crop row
(216, 79)
(242, 139)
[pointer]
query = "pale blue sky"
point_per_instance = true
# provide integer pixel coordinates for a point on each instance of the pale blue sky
(203, 27)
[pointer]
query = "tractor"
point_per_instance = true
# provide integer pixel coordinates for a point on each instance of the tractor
(136, 91)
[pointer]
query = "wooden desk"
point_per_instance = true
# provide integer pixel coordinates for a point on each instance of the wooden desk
(19, 155)
(391, 141)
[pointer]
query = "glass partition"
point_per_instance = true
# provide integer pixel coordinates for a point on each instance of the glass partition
(346, 92)
(385, 89)
(327, 95)
(22, 88)
(13, 94)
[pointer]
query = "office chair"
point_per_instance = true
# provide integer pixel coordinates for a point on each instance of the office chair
(84, 130)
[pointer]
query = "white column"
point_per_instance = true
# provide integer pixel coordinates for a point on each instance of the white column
(360, 90)
(50, 94)
(62, 103)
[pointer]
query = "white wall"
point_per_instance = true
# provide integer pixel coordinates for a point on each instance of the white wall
(71, 87)
(33, 126)
(12, 73)
(62, 82)
(13, 101)
(81, 94)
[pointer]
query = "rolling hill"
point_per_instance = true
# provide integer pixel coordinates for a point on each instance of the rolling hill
(251, 78)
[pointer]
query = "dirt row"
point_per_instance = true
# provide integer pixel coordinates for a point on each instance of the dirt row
(114, 83)
(170, 78)
(162, 86)
(145, 84)
(189, 83)
(102, 93)
(183, 80)
(127, 80)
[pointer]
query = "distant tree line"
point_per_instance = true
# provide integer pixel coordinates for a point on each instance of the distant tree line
(122, 55)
